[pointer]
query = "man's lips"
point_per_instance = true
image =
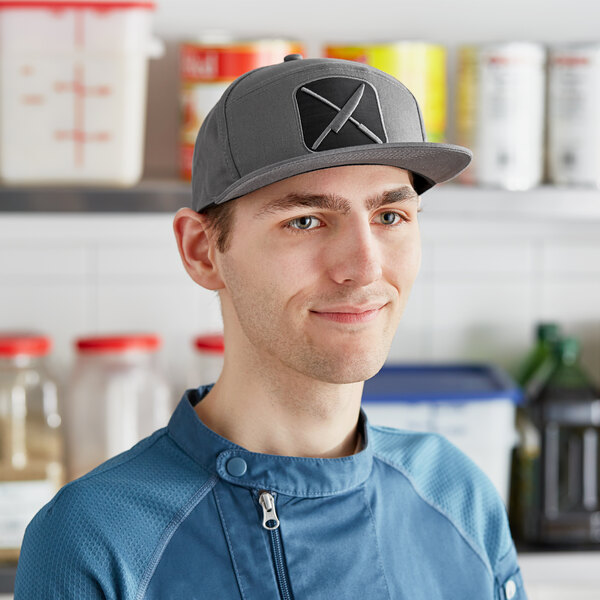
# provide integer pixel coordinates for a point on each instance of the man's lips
(350, 314)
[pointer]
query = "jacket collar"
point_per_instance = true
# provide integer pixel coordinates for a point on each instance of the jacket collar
(290, 475)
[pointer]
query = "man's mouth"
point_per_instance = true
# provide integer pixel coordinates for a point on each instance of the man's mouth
(350, 313)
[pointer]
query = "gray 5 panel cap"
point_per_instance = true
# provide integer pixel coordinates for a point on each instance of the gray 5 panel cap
(302, 115)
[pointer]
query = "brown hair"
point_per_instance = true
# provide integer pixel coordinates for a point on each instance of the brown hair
(220, 223)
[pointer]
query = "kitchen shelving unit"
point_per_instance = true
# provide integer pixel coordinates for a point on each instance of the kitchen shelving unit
(546, 202)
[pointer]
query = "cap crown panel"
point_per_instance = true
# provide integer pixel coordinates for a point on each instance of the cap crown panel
(265, 126)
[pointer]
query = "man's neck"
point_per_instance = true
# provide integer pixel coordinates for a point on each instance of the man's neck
(283, 416)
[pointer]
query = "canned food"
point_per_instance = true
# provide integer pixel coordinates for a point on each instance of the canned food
(500, 113)
(573, 118)
(420, 66)
(207, 69)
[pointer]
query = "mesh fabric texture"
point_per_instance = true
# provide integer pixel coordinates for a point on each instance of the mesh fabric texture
(101, 532)
(450, 482)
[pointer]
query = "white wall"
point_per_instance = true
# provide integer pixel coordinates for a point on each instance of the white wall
(332, 20)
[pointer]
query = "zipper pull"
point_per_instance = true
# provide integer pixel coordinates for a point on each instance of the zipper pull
(270, 520)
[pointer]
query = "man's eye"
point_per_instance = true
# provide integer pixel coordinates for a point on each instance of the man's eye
(303, 223)
(391, 218)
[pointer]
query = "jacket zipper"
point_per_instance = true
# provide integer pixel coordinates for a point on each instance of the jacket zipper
(271, 522)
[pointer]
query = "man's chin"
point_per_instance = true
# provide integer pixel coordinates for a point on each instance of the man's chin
(349, 372)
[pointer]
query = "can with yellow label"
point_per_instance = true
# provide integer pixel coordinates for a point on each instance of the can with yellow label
(420, 66)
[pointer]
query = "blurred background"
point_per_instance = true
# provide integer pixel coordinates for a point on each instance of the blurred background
(99, 107)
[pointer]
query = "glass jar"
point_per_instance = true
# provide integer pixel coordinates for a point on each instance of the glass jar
(117, 395)
(207, 363)
(31, 443)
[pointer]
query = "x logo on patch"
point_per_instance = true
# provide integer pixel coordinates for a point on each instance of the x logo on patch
(321, 114)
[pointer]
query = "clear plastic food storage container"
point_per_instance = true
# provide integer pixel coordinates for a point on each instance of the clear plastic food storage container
(31, 444)
(73, 90)
(117, 395)
(472, 405)
(207, 362)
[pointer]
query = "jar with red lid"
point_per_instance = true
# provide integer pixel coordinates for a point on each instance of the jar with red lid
(31, 442)
(117, 395)
(207, 362)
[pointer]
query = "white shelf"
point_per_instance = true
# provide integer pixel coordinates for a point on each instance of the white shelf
(544, 203)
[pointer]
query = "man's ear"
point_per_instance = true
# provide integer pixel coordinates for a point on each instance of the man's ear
(196, 248)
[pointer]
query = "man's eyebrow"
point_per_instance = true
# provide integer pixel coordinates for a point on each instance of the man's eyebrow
(336, 203)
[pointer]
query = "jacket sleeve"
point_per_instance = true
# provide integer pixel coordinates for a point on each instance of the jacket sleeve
(53, 563)
(508, 582)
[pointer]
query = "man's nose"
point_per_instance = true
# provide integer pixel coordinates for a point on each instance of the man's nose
(354, 256)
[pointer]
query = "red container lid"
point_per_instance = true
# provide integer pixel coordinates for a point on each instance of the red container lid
(213, 343)
(21, 343)
(118, 343)
(64, 4)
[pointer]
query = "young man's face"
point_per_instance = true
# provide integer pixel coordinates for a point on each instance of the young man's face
(319, 270)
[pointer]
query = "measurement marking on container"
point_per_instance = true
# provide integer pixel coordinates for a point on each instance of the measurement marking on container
(77, 87)
(79, 114)
(79, 30)
(32, 99)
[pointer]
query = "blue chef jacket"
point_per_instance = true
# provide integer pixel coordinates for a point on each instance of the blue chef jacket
(188, 515)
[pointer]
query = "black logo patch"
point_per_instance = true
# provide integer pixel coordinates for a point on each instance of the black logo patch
(337, 112)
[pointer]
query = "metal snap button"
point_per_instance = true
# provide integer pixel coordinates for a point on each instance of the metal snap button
(510, 589)
(236, 466)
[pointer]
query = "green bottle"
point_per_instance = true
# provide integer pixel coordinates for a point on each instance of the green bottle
(568, 380)
(548, 335)
(532, 375)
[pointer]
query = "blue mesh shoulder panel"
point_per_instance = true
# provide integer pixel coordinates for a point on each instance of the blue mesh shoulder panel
(450, 482)
(102, 535)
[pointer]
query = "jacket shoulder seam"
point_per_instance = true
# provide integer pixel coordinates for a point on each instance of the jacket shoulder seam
(471, 543)
(101, 469)
(169, 531)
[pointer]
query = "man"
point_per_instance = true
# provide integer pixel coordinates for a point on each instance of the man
(271, 483)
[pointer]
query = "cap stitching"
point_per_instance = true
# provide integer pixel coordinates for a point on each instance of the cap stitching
(223, 128)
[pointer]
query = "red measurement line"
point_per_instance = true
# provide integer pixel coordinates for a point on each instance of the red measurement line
(79, 30)
(32, 99)
(78, 115)
(101, 136)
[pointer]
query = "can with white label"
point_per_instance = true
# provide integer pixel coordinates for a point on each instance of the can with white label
(31, 442)
(500, 113)
(207, 68)
(573, 117)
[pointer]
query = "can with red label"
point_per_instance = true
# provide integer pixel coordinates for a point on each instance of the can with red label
(207, 68)
(500, 113)
(573, 118)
